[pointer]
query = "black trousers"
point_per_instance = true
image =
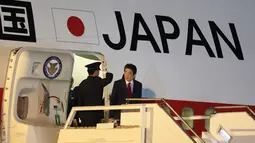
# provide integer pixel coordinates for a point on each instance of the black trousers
(90, 118)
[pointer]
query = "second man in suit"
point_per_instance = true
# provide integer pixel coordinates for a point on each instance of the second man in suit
(127, 87)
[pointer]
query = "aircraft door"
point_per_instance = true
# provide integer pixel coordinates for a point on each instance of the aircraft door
(37, 86)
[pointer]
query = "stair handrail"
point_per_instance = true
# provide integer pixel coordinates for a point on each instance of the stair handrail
(171, 108)
(234, 107)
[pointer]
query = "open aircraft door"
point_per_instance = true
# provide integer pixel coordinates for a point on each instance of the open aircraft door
(35, 95)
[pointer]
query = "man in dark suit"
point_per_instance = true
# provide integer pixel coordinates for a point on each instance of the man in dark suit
(127, 87)
(91, 94)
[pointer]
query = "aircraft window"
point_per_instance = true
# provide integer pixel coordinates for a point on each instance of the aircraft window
(166, 109)
(208, 112)
(22, 108)
(188, 112)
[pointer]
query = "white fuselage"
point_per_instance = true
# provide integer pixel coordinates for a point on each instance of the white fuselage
(173, 62)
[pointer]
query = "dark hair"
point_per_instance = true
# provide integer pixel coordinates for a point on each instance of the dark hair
(132, 67)
(91, 71)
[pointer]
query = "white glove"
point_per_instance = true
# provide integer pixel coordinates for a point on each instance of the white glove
(104, 72)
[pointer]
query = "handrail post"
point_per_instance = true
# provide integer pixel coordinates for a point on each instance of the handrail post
(143, 120)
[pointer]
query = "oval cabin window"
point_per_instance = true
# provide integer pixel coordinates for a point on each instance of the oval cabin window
(22, 107)
(188, 112)
(209, 112)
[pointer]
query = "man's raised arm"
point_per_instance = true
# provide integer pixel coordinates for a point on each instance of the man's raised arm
(107, 79)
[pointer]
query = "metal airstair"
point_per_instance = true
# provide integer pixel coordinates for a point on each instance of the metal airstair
(152, 123)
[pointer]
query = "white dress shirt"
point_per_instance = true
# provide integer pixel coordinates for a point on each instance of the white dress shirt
(132, 85)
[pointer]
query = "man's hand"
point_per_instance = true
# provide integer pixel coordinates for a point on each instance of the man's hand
(75, 123)
(104, 72)
(111, 120)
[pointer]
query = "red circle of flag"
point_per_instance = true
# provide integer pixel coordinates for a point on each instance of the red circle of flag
(75, 26)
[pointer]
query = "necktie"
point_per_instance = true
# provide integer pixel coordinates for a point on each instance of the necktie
(129, 90)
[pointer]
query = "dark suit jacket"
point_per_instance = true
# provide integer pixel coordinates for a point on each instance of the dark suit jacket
(120, 93)
(90, 94)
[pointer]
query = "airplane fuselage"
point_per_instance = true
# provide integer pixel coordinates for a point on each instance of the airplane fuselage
(195, 54)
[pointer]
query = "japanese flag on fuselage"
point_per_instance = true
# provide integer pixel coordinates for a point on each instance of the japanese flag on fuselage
(75, 26)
